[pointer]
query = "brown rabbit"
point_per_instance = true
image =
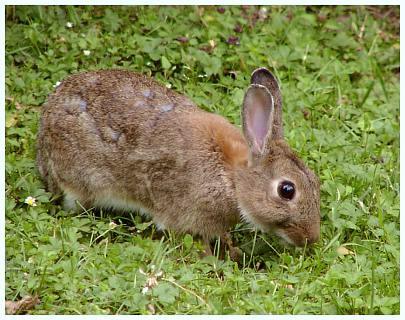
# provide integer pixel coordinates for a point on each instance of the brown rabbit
(118, 139)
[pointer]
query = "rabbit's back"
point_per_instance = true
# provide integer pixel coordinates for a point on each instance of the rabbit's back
(120, 139)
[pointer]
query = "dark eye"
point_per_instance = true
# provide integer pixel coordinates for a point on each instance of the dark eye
(286, 190)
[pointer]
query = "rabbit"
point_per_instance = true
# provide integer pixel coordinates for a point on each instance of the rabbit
(119, 139)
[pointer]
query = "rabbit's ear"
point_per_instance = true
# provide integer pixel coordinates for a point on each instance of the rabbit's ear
(266, 78)
(257, 118)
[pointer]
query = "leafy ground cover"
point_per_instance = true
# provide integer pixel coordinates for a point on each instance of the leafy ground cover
(339, 72)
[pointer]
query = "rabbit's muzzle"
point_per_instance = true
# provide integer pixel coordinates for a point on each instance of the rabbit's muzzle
(299, 236)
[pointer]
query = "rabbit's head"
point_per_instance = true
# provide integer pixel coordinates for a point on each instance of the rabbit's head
(276, 192)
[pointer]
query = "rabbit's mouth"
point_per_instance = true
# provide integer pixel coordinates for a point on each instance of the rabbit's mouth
(290, 233)
(284, 236)
(296, 236)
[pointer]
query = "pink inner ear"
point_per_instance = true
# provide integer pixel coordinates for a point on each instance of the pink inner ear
(258, 123)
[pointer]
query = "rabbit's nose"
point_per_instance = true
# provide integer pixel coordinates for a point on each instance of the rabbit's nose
(312, 239)
(313, 234)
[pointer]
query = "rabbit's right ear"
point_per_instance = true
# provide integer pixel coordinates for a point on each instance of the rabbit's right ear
(266, 78)
(257, 119)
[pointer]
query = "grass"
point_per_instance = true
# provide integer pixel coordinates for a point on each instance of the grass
(339, 72)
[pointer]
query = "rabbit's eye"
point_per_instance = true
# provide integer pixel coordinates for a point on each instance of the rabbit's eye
(286, 190)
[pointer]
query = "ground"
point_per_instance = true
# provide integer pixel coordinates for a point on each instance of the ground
(339, 73)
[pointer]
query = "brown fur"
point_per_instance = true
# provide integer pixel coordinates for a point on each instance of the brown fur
(119, 139)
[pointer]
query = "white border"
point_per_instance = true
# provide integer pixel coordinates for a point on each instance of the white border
(205, 2)
(3, 162)
(402, 179)
(165, 2)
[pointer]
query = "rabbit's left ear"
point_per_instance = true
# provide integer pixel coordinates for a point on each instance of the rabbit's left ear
(265, 78)
(257, 119)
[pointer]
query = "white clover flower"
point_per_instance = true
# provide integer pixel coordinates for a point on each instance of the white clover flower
(152, 278)
(86, 52)
(31, 201)
(263, 13)
(168, 85)
(151, 281)
(57, 84)
(69, 24)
